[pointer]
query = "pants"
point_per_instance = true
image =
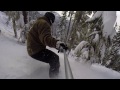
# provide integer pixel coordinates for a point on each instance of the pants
(48, 56)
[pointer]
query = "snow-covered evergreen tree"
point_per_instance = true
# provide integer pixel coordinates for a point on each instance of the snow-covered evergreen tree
(112, 58)
(79, 38)
(79, 29)
(14, 16)
(71, 16)
(102, 32)
(63, 26)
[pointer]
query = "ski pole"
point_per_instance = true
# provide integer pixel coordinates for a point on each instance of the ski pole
(68, 71)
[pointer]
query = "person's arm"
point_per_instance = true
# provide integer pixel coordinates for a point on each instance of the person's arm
(45, 35)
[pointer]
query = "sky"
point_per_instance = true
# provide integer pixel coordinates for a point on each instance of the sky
(60, 12)
(118, 17)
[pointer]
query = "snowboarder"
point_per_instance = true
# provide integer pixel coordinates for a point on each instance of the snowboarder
(39, 37)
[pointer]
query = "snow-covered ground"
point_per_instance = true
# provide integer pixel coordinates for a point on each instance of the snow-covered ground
(16, 64)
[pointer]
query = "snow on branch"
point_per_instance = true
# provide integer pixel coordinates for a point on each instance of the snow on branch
(97, 15)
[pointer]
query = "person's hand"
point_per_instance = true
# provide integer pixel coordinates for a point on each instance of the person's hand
(61, 45)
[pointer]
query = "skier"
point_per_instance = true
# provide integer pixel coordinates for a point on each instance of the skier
(39, 37)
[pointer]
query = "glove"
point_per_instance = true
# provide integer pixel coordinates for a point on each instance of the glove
(61, 45)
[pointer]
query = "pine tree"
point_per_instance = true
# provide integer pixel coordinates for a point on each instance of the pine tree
(33, 15)
(91, 33)
(14, 15)
(79, 29)
(77, 18)
(26, 22)
(25, 16)
(95, 38)
(71, 13)
(63, 26)
(112, 59)
(99, 36)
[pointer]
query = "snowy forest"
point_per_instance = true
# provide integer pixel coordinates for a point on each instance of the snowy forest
(92, 38)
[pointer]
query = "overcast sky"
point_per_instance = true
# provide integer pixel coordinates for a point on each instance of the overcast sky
(60, 12)
(118, 18)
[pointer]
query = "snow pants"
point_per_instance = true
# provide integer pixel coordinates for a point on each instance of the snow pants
(48, 56)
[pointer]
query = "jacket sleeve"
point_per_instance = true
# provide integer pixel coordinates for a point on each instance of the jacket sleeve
(45, 35)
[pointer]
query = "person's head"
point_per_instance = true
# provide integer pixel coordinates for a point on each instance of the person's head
(50, 16)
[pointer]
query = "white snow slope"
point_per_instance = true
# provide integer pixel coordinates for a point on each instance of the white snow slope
(16, 64)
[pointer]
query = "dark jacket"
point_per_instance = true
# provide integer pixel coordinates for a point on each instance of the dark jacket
(39, 37)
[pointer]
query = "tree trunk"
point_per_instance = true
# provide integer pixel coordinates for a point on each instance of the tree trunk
(78, 16)
(25, 15)
(67, 35)
(14, 27)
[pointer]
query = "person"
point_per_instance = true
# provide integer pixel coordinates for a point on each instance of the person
(39, 37)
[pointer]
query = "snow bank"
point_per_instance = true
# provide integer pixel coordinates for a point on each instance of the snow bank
(80, 46)
(3, 25)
